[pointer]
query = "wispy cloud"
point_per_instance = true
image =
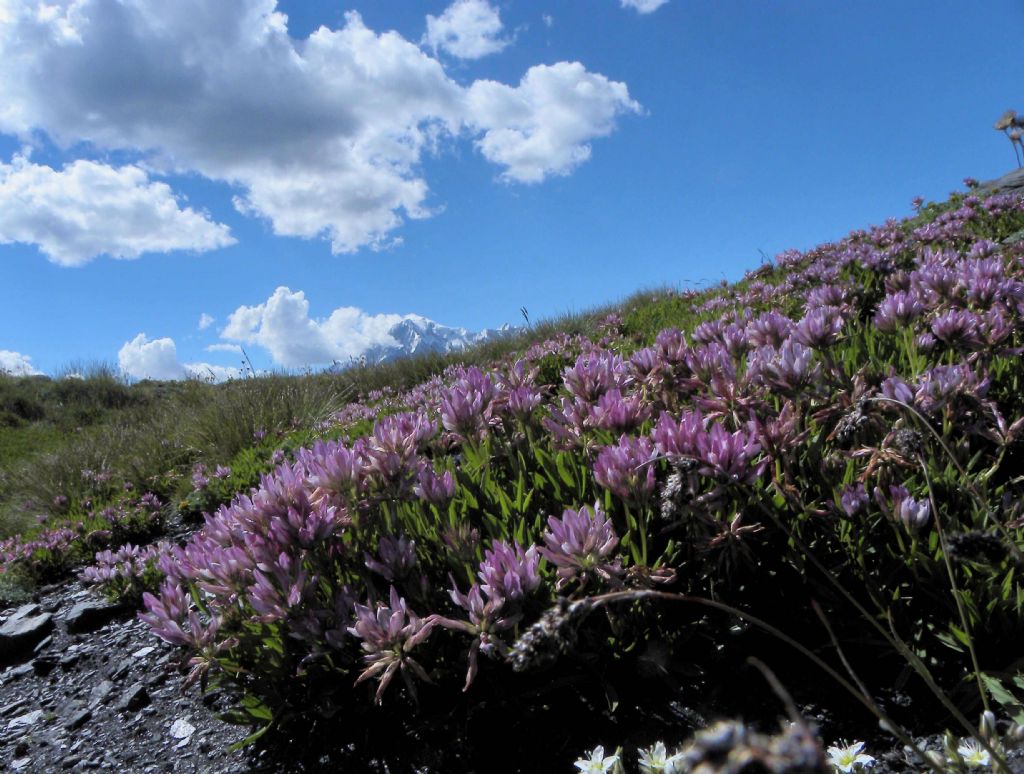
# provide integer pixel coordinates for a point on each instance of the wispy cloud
(643, 6)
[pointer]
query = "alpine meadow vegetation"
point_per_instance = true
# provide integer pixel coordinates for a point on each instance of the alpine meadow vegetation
(800, 490)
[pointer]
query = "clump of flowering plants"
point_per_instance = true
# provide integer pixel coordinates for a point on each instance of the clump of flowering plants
(840, 430)
(64, 543)
(123, 575)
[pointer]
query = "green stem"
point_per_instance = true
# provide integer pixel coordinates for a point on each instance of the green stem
(889, 636)
(863, 698)
(952, 582)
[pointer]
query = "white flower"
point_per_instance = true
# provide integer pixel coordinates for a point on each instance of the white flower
(849, 757)
(973, 753)
(597, 763)
(655, 760)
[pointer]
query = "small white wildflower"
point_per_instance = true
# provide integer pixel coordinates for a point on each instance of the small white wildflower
(656, 760)
(849, 757)
(973, 753)
(597, 763)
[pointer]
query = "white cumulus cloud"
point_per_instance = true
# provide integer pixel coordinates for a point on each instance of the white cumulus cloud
(282, 325)
(224, 347)
(468, 29)
(643, 6)
(88, 209)
(141, 358)
(145, 358)
(206, 320)
(17, 364)
(321, 137)
(544, 125)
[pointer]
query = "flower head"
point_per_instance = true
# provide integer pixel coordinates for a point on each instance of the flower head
(388, 633)
(788, 369)
(656, 760)
(467, 408)
(849, 757)
(582, 542)
(594, 374)
(617, 413)
(729, 455)
(973, 753)
(597, 763)
(625, 469)
(509, 571)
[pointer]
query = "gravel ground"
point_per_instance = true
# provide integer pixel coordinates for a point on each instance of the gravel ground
(99, 692)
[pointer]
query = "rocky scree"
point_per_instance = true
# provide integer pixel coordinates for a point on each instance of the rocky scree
(86, 687)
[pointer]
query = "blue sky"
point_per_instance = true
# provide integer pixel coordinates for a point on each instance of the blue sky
(299, 176)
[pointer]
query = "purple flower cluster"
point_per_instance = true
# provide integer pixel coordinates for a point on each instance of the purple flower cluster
(581, 544)
(334, 552)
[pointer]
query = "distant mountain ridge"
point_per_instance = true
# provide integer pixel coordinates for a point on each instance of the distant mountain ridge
(415, 335)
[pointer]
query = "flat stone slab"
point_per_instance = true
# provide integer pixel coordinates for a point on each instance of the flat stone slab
(90, 615)
(28, 720)
(1011, 182)
(134, 698)
(22, 632)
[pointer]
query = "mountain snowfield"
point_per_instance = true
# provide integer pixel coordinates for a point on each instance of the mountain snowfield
(416, 335)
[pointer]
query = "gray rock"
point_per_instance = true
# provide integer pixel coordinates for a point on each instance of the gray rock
(1011, 182)
(44, 664)
(24, 611)
(90, 615)
(17, 672)
(13, 707)
(78, 719)
(22, 631)
(27, 720)
(134, 698)
(182, 729)
(101, 693)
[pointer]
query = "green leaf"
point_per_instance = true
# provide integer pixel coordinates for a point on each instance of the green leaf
(249, 739)
(961, 636)
(949, 642)
(256, 708)
(563, 471)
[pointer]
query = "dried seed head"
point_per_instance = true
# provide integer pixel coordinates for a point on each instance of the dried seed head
(1005, 120)
(906, 442)
(849, 425)
(729, 746)
(553, 635)
(977, 546)
(671, 496)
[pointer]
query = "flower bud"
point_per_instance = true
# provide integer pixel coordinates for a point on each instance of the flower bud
(987, 726)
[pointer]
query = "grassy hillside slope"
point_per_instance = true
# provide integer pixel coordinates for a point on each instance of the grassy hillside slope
(604, 520)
